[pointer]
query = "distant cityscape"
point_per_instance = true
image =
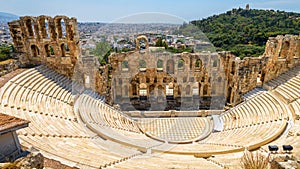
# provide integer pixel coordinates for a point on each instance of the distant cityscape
(120, 36)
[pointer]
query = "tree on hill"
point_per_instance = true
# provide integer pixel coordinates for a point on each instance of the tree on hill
(245, 32)
(102, 51)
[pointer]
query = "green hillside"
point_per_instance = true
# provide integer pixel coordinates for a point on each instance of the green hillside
(245, 32)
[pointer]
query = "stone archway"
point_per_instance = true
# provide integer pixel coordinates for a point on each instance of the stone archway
(141, 42)
(152, 94)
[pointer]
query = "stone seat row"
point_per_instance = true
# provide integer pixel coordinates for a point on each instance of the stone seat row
(263, 108)
(166, 161)
(295, 107)
(283, 78)
(38, 94)
(290, 90)
(253, 93)
(77, 152)
(243, 136)
(100, 127)
(47, 125)
(103, 114)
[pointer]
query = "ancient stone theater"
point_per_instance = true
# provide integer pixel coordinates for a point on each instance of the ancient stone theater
(149, 109)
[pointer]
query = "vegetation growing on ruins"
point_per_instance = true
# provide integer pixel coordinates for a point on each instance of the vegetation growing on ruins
(256, 160)
(245, 32)
(5, 51)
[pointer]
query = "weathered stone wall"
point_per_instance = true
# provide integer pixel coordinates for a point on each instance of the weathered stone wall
(240, 76)
(193, 78)
(187, 75)
(88, 72)
(283, 53)
(53, 42)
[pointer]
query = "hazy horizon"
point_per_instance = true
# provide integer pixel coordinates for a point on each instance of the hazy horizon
(106, 11)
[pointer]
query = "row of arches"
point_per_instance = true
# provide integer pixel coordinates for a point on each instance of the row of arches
(49, 50)
(47, 27)
(170, 65)
(169, 90)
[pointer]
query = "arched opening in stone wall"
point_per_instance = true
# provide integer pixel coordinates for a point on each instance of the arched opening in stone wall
(215, 63)
(61, 28)
(152, 89)
(142, 65)
(47, 29)
(44, 28)
(47, 50)
(63, 50)
(228, 94)
(159, 65)
(134, 89)
(125, 66)
(160, 90)
(198, 65)
(187, 90)
(170, 91)
(219, 79)
(196, 89)
(180, 64)
(284, 49)
(34, 51)
(170, 66)
(143, 91)
(232, 67)
(141, 43)
(213, 89)
(125, 91)
(51, 50)
(179, 90)
(30, 27)
(205, 90)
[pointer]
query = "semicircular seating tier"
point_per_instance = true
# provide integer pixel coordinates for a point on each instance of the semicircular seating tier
(176, 130)
(66, 118)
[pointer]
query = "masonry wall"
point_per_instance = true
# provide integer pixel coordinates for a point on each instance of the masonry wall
(195, 79)
(53, 42)
(283, 53)
(239, 76)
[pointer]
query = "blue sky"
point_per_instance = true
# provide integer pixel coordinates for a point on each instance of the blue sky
(110, 10)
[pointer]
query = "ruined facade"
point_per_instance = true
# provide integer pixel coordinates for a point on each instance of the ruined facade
(168, 81)
(145, 77)
(283, 53)
(197, 79)
(53, 42)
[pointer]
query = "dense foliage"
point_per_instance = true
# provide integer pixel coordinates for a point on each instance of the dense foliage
(5, 51)
(102, 51)
(245, 32)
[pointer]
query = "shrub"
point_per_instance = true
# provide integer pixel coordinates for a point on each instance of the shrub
(254, 161)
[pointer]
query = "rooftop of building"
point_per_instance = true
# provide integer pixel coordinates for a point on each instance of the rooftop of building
(11, 123)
